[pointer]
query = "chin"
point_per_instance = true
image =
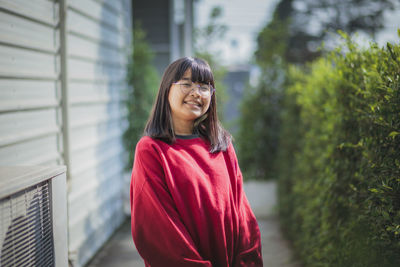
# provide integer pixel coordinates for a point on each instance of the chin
(194, 115)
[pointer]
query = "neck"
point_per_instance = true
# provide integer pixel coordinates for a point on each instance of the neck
(182, 127)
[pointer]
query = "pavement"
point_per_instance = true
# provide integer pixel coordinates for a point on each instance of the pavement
(120, 250)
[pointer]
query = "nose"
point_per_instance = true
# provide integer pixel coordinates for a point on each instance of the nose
(195, 89)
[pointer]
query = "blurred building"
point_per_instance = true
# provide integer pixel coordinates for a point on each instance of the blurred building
(236, 80)
(244, 20)
(169, 28)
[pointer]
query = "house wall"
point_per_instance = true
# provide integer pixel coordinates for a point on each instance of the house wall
(30, 105)
(62, 82)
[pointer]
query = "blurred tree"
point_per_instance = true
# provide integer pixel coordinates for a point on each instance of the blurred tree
(143, 79)
(293, 36)
(273, 40)
(311, 22)
(213, 31)
(258, 136)
(204, 37)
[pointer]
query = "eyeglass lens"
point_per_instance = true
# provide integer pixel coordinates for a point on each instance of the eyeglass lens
(203, 89)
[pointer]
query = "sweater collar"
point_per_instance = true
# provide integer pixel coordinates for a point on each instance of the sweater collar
(185, 137)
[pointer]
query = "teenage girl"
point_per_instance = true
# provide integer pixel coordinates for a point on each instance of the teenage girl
(187, 200)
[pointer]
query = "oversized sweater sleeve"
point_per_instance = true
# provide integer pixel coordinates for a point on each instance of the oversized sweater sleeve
(159, 234)
(248, 250)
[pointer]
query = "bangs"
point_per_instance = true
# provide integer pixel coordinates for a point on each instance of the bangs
(201, 71)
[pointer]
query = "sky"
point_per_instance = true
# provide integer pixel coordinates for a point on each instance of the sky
(245, 18)
(392, 23)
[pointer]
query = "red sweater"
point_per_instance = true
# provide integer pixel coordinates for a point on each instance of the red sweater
(189, 208)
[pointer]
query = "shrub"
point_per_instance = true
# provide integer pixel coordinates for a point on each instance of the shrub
(259, 130)
(143, 80)
(339, 158)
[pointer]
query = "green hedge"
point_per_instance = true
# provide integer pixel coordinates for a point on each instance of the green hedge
(339, 159)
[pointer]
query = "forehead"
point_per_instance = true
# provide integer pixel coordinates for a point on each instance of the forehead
(187, 75)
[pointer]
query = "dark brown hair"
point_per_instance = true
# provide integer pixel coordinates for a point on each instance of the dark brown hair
(159, 125)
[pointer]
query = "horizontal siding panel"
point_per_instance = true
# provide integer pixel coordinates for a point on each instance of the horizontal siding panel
(33, 152)
(97, 142)
(95, 92)
(41, 10)
(93, 191)
(97, 239)
(104, 80)
(82, 115)
(94, 156)
(53, 161)
(97, 211)
(80, 47)
(23, 32)
(98, 12)
(79, 92)
(101, 226)
(15, 62)
(86, 221)
(27, 104)
(87, 121)
(93, 135)
(20, 126)
(84, 26)
(27, 94)
(107, 169)
(126, 5)
(79, 69)
(114, 5)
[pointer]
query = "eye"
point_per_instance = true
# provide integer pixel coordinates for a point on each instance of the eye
(204, 88)
(187, 85)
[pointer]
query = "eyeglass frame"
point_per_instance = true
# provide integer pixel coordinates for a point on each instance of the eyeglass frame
(212, 89)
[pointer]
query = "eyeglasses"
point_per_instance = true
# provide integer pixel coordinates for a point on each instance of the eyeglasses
(205, 90)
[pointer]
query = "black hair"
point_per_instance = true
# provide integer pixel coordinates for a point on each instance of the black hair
(159, 125)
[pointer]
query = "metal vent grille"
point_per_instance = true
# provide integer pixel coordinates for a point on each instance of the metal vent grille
(26, 234)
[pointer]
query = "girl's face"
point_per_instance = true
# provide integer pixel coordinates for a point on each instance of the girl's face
(187, 107)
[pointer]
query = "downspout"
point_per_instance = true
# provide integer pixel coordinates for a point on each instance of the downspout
(63, 16)
(64, 84)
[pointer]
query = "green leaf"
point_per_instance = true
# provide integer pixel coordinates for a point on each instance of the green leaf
(385, 215)
(387, 187)
(393, 134)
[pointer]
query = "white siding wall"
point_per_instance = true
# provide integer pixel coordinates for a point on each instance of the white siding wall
(98, 33)
(96, 43)
(30, 118)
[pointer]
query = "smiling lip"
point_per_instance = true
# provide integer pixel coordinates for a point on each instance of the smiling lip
(193, 103)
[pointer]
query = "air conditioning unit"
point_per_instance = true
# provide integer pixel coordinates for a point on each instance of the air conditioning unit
(33, 216)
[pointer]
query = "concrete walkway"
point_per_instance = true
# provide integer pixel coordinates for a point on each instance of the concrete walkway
(121, 252)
